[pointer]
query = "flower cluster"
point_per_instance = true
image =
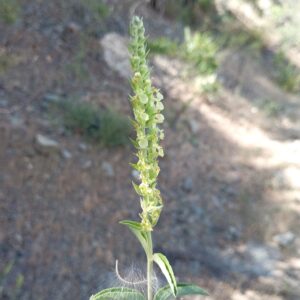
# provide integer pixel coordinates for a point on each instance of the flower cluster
(147, 106)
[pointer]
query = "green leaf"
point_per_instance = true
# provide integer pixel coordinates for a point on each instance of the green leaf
(167, 270)
(137, 230)
(183, 289)
(137, 188)
(119, 294)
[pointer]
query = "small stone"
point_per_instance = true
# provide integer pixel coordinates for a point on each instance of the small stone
(194, 125)
(261, 259)
(53, 98)
(87, 164)
(66, 154)
(187, 184)
(292, 175)
(16, 121)
(116, 55)
(83, 147)
(3, 102)
(108, 169)
(199, 211)
(88, 204)
(45, 145)
(233, 233)
(73, 27)
(284, 239)
(18, 237)
(278, 181)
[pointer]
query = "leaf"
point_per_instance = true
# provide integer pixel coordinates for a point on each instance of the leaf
(183, 289)
(137, 230)
(119, 294)
(167, 270)
(136, 188)
(134, 143)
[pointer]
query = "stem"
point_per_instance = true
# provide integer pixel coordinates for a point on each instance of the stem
(149, 267)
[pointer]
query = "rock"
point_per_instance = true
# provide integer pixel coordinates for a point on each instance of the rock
(233, 233)
(253, 259)
(287, 178)
(82, 147)
(278, 181)
(3, 102)
(116, 55)
(218, 201)
(108, 169)
(284, 239)
(260, 259)
(200, 212)
(187, 184)
(16, 121)
(66, 154)
(194, 125)
(52, 98)
(292, 175)
(45, 145)
(87, 164)
(253, 295)
(73, 27)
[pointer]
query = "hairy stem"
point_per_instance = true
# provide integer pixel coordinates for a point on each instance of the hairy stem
(149, 268)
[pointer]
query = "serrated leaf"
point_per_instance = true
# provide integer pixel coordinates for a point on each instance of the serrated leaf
(183, 289)
(119, 294)
(167, 270)
(137, 230)
(134, 166)
(134, 143)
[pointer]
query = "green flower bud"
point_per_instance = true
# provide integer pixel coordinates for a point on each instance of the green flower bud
(143, 98)
(159, 106)
(143, 143)
(160, 118)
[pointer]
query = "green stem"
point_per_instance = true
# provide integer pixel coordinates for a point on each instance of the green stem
(149, 268)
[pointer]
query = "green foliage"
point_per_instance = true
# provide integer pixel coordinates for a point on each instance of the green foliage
(206, 5)
(250, 40)
(77, 66)
(10, 293)
(201, 50)
(98, 9)
(198, 48)
(6, 61)
(164, 265)
(162, 45)
(285, 16)
(191, 12)
(118, 294)
(183, 289)
(140, 234)
(9, 11)
(286, 75)
(165, 293)
(271, 108)
(101, 126)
